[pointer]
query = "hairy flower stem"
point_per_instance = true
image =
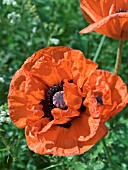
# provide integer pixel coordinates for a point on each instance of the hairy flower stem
(116, 70)
(99, 48)
(119, 56)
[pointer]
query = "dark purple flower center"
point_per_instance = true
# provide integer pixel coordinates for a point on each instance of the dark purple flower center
(54, 99)
(99, 100)
(121, 10)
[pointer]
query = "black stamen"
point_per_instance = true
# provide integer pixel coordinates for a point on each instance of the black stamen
(70, 81)
(48, 102)
(65, 125)
(47, 107)
(82, 107)
(121, 10)
(99, 100)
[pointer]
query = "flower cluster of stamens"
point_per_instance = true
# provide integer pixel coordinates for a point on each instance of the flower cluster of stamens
(53, 99)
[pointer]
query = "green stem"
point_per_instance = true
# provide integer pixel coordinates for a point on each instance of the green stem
(4, 141)
(8, 148)
(115, 166)
(99, 48)
(119, 56)
(107, 152)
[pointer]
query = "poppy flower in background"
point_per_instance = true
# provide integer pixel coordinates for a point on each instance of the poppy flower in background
(106, 17)
(62, 101)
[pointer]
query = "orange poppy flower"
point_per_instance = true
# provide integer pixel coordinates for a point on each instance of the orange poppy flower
(46, 99)
(106, 96)
(106, 17)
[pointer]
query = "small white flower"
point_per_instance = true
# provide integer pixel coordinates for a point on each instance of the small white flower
(29, 43)
(14, 3)
(2, 119)
(34, 29)
(54, 41)
(10, 134)
(9, 2)
(13, 17)
(7, 120)
(1, 80)
(3, 113)
(7, 112)
(11, 21)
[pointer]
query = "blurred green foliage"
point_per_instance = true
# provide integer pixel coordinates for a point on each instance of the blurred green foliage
(25, 27)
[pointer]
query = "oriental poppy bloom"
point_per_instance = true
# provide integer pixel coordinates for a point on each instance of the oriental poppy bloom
(107, 94)
(106, 17)
(50, 96)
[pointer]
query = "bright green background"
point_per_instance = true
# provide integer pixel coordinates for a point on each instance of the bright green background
(24, 29)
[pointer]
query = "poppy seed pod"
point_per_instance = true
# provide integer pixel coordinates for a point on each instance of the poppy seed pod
(58, 96)
(106, 17)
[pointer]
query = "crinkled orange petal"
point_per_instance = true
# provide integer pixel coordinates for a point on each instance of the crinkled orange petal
(96, 10)
(71, 96)
(63, 116)
(80, 67)
(60, 116)
(66, 141)
(22, 100)
(114, 26)
(20, 110)
(101, 132)
(108, 85)
(93, 10)
(44, 61)
(38, 126)
(45, 70)
(91, 105)
(93, 124)
(64, 68)
(74, 66)
(56, 53)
